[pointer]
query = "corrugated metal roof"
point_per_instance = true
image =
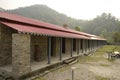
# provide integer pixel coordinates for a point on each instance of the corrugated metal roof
(40, 27)
(41, 31)
(37, 23)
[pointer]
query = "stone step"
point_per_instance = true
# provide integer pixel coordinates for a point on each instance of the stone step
(69, 60)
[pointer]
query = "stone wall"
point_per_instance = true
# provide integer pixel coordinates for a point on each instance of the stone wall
(84, 45)
(80, 43)
(57, 46)
(77, 42)
(21, 54)
(5, 45)
(81, 46)
(68, 46)
(41, 44)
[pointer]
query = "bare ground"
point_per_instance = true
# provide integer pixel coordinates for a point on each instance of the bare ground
(94, 67)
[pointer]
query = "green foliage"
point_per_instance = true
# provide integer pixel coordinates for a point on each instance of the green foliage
(46, 14)
(40, 78)
(77, 28)
(1, 9)
(98, 55)
(105, 65)
(103, 33)
(101, 78)
(104, 25)
(116, 37)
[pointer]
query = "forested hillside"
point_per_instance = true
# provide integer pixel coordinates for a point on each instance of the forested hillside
(104, 25)
(44, 13)
(1, 9)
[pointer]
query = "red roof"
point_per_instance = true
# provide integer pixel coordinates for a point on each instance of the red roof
(35, 22)
(35, 26)
(42, 31)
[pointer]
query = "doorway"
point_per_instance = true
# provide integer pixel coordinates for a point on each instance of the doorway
(88, 44)
(74, 44)
(63, 45)
(81, 45)
(53, 41)
(37, 53)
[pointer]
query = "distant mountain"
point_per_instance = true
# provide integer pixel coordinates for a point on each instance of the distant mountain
(44, 13)
(1, 9)
(104, 25)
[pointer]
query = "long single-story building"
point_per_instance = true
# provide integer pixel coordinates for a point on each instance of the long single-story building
(27, 44)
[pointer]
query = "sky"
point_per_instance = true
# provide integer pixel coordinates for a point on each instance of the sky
(79, 9)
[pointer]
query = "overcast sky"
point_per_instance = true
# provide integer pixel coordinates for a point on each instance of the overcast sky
(80, 9)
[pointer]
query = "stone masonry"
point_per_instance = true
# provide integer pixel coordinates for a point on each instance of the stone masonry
(6, 45)
(83, 44)
(68, 45)
(21, 54)
(57, 47)
(39, 42)
(76, 51)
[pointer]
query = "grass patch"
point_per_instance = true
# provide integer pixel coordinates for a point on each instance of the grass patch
(40, 78)
(90, 59)
(101, 78)
(99, 54)
(105, 65)
(63, 69)
(118, 48)
(107, 48)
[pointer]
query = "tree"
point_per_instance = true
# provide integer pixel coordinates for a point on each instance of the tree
(104, 33)
(116, 37)
(77, 28)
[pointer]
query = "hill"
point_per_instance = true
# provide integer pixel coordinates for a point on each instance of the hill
(104, 25)
(1, 9)
(46, 14)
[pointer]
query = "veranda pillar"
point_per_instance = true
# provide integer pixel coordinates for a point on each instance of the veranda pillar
(21, 54)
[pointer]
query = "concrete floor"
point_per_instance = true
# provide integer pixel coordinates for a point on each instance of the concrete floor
(7, 68)
(38, 65)
(42, 64)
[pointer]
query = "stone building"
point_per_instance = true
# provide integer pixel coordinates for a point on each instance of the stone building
(27, 45)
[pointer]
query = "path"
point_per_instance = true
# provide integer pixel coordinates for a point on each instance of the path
(94, 67)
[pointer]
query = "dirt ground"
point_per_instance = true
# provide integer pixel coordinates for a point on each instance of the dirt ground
(93, 67)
